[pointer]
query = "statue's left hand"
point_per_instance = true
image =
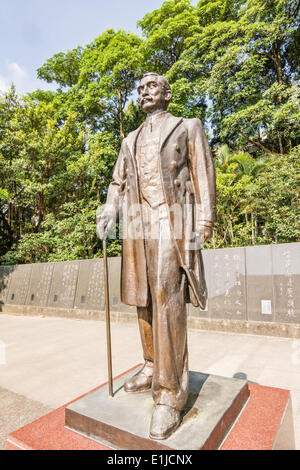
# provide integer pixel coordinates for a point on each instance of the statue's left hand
(204, 234)
(105, 225)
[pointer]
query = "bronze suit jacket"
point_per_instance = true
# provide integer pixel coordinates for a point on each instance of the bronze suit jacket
(188, 177)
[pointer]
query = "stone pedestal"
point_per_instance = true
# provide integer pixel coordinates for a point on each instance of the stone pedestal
(123, 421)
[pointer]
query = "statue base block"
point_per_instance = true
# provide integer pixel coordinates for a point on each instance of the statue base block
(123, 421)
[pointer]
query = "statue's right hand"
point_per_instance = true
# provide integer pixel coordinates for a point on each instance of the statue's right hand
(105, 224)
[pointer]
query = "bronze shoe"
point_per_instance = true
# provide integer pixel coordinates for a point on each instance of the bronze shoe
(140, 382)
(165, 420)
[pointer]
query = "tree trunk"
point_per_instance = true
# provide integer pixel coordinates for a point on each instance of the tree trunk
(265, 149)
(214, 239)
(280, 143)
(278, 67)
(21, 222)
(41, 210)
(120, 111)
(9, 215)
(247, 223)
(230, 231)
(277, 61)
(252, 229)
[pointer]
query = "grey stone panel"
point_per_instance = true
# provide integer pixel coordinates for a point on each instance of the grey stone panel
(286, 276)
(40, 283)
(90, 285)
(227, 284)
(114, 268)
(64, 283)
(260, 293)
(5, 278)
(207, 256)
(19, 284)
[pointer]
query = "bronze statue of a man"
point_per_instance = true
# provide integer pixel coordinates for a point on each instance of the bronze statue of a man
(165, 169)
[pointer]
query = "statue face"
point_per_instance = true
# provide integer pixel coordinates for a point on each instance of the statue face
(152, 94)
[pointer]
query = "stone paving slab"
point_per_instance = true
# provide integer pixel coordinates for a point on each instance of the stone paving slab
(54, 360)
(16, 411)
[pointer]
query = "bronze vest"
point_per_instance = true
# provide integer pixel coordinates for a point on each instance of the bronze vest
(148, 156)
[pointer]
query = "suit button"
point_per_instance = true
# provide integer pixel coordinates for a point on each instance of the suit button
(174, 164)
(177, 183)
(177, 148)
(128, 187)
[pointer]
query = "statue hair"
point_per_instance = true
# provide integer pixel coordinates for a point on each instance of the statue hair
(162, 80)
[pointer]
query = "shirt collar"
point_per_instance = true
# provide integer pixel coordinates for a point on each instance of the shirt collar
(156, 116)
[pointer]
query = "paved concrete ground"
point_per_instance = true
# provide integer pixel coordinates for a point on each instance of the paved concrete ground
(46, 362)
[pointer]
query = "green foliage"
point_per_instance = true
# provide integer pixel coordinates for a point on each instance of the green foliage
(166, 30)
(62, 68)
(247, 164)
(243, 60)
(96, 81)
(257, 200)
(274, 198)
(110, 67)
(232, 63)
(53, 177)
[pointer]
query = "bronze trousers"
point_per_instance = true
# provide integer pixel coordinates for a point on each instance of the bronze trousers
(163, 324)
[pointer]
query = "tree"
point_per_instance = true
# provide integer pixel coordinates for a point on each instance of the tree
(274, 199)
(62, 68)
(246, 163)
(34, 153)
(232, 63)
(55, 178)
(111, 65)
(165, 31)
(9, 102)
(244, 65)
(97, 80)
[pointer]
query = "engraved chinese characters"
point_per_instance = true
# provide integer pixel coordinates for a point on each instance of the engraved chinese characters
(64, 283)
(227, 284)
(259, 282)
(40, 283)
(271, 273)
(286, 279)
(90, 290)
(5, 278)
(19, 284)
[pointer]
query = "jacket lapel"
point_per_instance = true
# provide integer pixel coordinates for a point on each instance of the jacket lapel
(132, 138)
(168, 126)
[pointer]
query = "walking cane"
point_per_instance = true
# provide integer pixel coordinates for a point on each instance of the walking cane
(107, 317)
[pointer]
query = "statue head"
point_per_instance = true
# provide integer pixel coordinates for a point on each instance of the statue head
(154, 92)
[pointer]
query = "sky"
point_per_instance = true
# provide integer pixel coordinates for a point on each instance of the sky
(32, 31)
